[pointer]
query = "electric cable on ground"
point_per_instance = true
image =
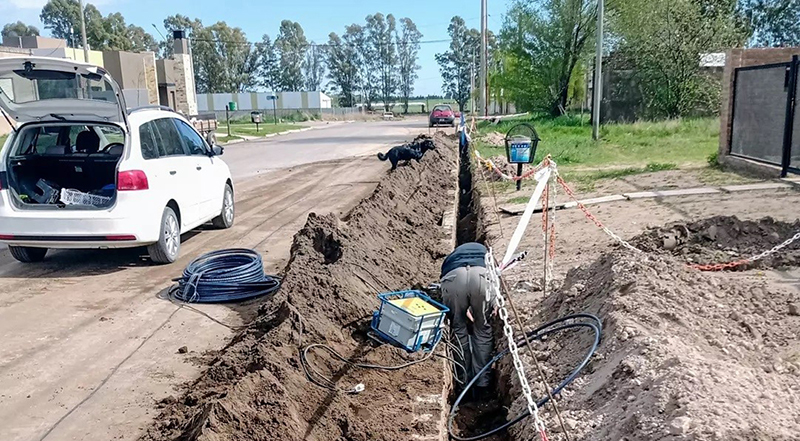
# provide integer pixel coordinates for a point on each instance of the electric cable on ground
(327, 383)
(537, 334)
(225, 276)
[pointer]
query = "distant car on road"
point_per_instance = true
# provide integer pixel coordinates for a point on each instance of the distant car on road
(442, 114)
(82, 171)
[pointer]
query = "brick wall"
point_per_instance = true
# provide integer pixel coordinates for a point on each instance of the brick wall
(151, 79)
(185, 96)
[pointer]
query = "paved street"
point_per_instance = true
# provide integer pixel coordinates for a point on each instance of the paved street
(90, 344)
(323, 143)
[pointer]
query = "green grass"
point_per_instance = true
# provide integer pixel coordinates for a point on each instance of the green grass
(249, 129)
(585, 181)
(569, 140)
(3, 140)
(221, 139)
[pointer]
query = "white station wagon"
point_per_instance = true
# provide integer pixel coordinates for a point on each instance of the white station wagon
(82, 171)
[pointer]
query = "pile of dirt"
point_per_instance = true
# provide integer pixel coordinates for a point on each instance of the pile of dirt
(256, 388)
(724, 238)
(494, 138)
(501, 162)
(684, 354)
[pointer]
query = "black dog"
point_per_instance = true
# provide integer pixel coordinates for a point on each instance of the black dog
(407, 152)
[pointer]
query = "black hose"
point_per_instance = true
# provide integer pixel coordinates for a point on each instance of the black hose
(225, 276)
(536, 334)
(321, 380)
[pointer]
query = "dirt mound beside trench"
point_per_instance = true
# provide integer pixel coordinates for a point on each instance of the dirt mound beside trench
(723, 239)
(684, 355)
(256, 389)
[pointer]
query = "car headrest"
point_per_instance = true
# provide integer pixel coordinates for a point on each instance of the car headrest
(87, 142)
(116, 150)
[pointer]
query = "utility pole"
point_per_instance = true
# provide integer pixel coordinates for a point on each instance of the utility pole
(484, 104)
(83, 32)
(598, 73)
(472, 85)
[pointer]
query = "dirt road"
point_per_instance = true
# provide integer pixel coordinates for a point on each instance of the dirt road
(89, 341)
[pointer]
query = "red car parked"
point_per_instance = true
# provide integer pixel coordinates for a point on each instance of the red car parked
(442, 114)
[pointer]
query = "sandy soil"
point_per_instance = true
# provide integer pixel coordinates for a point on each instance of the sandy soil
(675, 339)
(89, 343)
(256, 388)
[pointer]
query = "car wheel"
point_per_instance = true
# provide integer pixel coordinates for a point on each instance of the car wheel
(225, 218)
(168, 247)
(27, 254)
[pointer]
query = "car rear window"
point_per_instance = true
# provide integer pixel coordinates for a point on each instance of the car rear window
(61, 139)
(169, 140)
(20, 86)
(443, 108)
(147, 139)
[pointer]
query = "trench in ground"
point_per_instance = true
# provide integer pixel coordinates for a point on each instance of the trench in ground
(476, 417)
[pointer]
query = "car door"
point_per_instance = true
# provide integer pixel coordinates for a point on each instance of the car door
(178, 166)
(210, 189)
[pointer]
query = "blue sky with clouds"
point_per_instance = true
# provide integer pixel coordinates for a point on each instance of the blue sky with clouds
(318, 18)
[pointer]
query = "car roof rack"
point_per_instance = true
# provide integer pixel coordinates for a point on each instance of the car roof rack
(153, 107)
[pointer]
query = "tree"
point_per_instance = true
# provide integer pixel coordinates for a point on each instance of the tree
(457, 62)
(407, 55)
(62, 19)
(664, 42)
(290, 46)
(356, 37)
(314, 67)
(548, 39)
(382, 54)
(343, 61)
(225, 62)
(269, 65)
(773, 22)
(19, 29)
(141, 40)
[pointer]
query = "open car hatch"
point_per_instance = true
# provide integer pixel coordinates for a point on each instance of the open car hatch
(52, 89)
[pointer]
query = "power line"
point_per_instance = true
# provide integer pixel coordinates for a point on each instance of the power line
(258, 43)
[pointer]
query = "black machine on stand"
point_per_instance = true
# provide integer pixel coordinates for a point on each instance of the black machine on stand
(521, 143)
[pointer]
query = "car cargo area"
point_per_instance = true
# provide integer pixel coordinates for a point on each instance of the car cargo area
(65, 166)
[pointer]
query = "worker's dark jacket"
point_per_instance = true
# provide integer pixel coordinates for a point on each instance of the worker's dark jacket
(469, 254)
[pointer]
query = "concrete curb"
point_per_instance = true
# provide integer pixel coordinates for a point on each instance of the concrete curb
(515, 210)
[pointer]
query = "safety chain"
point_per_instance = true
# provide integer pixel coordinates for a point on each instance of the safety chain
(490, 165)
(757, 257)
(493, 276)
(591, 217)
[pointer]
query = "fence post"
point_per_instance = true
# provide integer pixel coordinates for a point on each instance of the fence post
(788, 127)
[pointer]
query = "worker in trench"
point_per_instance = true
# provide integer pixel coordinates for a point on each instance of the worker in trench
(464, 284)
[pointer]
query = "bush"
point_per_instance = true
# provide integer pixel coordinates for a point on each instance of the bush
(713, 160)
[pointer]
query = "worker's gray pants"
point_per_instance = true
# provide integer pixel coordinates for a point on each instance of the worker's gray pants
(464, 288)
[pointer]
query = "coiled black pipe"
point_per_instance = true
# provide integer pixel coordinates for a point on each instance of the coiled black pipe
(595, 325)
(225, 276)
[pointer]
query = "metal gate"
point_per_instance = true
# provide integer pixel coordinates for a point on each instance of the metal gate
(765, 126)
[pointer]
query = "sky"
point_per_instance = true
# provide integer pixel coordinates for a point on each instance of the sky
(318, 18)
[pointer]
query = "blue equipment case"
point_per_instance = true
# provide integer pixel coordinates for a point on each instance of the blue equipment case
(408, 331)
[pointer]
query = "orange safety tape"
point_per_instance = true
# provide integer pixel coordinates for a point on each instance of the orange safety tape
(543, 435)
(720, 266)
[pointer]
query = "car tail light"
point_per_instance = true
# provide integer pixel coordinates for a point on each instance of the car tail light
(121, 237)
(6, 237)
(132, 180)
